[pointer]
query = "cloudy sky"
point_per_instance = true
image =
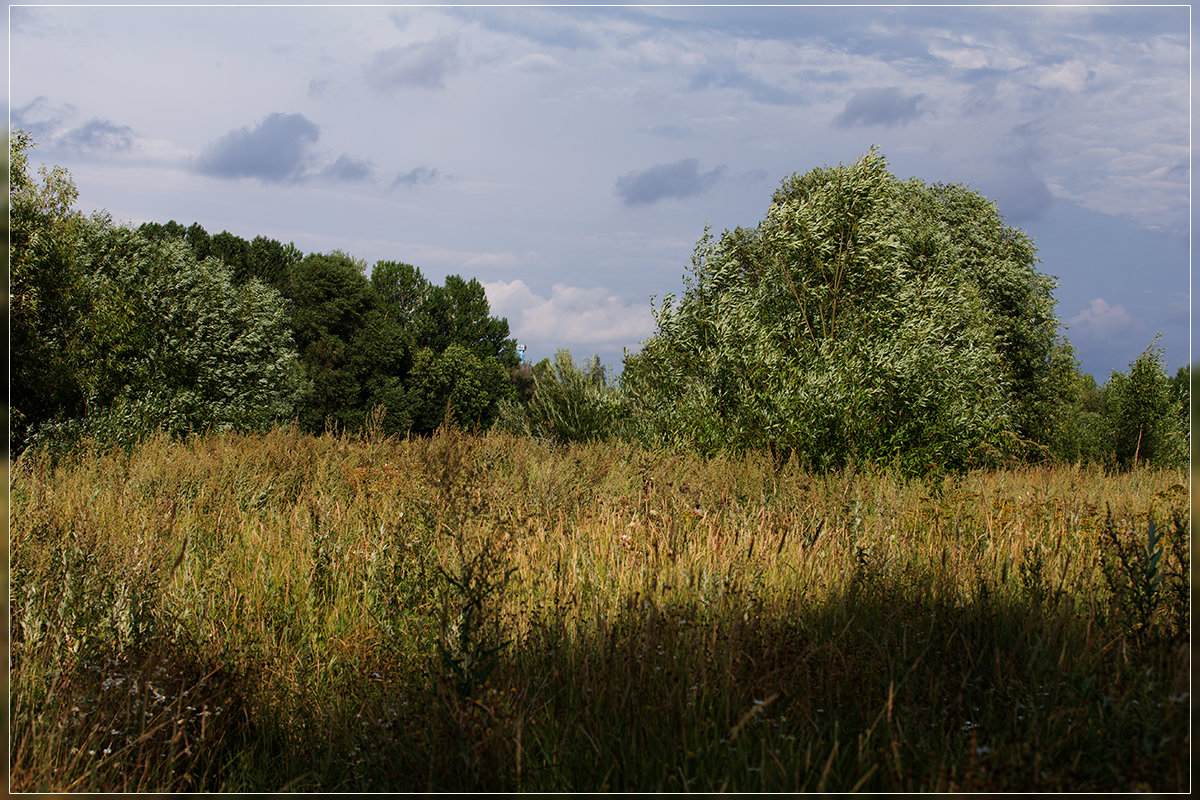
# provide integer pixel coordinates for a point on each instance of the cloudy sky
(570, 157)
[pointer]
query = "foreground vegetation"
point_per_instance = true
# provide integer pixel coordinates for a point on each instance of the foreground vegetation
(293, 612)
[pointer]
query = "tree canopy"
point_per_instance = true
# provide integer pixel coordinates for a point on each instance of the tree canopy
(123, 331)
(864, 318)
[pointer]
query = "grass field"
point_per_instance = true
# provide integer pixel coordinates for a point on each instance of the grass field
(288, 612)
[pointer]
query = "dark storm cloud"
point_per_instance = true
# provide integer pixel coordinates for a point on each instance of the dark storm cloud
(681, 179)
(879, 106)
(418, 176)
(425, 65)
(275, 150)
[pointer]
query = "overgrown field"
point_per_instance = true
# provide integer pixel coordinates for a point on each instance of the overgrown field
(289, 612)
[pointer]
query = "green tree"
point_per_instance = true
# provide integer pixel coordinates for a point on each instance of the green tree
(46, 298)
(263, 258)
(1181, 393)
(199, 240)
(173, 343)
(865, 318)
(1080, 431)
(458, 313)
(157, 232)
(234, 251)
(1143, 413)
(402, 288)
(457, 383)
(351, 351)
(270, 261)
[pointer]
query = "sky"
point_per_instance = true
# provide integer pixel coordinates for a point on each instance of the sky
(570, 157)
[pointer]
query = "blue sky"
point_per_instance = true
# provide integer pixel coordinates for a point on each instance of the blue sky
(570, 157)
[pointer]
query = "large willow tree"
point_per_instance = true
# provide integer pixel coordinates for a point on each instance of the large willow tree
(865, 318)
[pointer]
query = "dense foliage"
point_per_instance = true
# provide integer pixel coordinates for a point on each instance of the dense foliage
(868, 319)
(569, 403)
(122, 332)
(864, 320)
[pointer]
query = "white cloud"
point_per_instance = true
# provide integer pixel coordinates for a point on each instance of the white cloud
(570, 316)
(1101, 322)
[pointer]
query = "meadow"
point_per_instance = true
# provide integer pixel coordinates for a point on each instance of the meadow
(287, 612)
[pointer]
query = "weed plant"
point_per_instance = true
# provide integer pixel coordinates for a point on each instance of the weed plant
(284, 612)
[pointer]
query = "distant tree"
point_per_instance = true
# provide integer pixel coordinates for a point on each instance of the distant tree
(569, 403)
(1181, 392)
(458, 313)
(157, 232)
(1080, 431)
(174, 344)
(402, 288)
(865, 318)
(234, 251)
(270, 261)
(264, 259)
(456, 382)
(1143, 413)
(339, 325)
(199, 240)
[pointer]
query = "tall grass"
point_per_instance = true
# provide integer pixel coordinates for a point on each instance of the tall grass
(288, 612)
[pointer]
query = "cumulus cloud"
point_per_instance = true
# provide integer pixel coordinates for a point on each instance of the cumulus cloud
(274, 150)
(417, 176)
(1101, 322)
(425, 65)
(879, 106)
(680, 179)
(570, 316)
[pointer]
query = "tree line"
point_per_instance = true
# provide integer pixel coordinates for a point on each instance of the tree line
(864, 320)
(120, 331)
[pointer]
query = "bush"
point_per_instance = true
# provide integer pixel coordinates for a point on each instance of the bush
(570, 403)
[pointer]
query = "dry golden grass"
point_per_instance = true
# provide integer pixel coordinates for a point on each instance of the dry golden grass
(469, 612)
